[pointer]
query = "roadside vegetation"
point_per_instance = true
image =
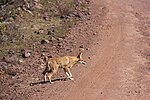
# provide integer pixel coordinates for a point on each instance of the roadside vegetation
(26, 22)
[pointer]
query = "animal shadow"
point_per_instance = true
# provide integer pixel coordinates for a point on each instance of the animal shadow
(45, 82)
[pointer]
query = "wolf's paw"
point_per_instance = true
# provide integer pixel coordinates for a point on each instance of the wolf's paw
(71, 78)
(51, 82)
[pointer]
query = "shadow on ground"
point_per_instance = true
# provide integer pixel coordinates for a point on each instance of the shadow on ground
(45, 82)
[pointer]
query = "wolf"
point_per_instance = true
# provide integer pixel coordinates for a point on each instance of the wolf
(66, 62)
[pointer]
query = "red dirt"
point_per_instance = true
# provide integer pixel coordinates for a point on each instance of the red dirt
(117, 56)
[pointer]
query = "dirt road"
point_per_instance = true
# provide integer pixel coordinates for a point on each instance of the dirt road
(115, 69)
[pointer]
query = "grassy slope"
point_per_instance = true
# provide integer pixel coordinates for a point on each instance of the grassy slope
(49, 16)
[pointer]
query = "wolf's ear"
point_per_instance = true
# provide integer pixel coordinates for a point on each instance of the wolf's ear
(80, 55)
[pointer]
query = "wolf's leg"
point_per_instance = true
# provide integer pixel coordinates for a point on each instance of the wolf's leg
(45, 77)
(68, 73)
(50, 74)
(45, 73)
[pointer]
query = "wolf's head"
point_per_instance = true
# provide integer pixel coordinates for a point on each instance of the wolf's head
(81, 59)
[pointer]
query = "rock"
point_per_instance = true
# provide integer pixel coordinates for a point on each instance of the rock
(69, 49)
(43, 54)
(51, 31)
(50, 56)
(45, 41)
(20, 61)
(87, 48)
(81, 46)
(38, 5)
(71, 15)
(94, 33)
(41, 66)
(79, 15)
(60, 44)
(25, 53)
(40, 31)
(53, 39)
(46, 18)
(81, 49)
(60, 39)
(63, 17)
(89, 13)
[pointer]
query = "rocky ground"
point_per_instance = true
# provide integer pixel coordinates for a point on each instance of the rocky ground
(115, 42)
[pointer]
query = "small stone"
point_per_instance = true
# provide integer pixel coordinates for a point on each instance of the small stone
(41, 66)
(37, 79)
(40, 31)
(43, 54)
(71, 50)
(71, 15)
(89, 13)
(60, 44)
(49, 32)
(25, 53)
(46, 18)
(63, 16)
(60, 39)
(44, 41)
(94, 33)
(87, 48)
(20, 61)
(53, 39)
(38, 91)
(50, 56)
(81, 46)
(81, 49)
